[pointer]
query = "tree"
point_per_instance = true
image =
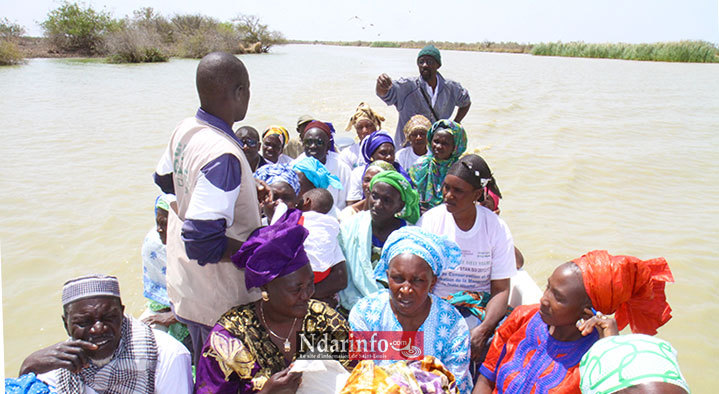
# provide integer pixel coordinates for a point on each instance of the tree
(252, 31)
(71, 27)
(10, 30)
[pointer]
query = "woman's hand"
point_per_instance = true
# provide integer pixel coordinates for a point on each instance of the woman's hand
(605, 325)
(478, 341)
(283, 382)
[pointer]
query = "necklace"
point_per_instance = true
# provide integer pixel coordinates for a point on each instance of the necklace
(286, 344)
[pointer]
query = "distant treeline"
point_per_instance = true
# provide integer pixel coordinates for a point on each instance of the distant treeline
(73, 29)
(682, 51)
(486, 46)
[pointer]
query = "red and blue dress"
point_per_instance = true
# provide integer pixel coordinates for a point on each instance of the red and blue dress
(524, 358)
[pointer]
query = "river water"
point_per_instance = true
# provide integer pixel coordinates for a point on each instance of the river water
(589, 154)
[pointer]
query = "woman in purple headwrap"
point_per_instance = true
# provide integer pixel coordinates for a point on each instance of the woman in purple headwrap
(251, 347)
(376, 146)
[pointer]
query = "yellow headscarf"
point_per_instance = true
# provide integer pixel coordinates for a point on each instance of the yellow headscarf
(279, 130)
(414, 123)
(365, 112)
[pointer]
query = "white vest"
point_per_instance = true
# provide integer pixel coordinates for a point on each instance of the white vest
(203, 293)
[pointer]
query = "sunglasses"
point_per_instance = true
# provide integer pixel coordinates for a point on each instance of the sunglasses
(249, 142)
(313, 141)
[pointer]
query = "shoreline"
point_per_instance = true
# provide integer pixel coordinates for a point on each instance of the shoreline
(680, 52)
(675, 51)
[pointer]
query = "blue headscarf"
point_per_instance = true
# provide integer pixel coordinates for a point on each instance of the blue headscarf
(317, 173)
(273, 173)
(372, 142)
(438, 251)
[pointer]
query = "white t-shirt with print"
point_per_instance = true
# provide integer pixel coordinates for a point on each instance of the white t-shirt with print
(487, 250)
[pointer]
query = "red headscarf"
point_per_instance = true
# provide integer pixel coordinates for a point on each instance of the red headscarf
(320, 125)
(630, 288)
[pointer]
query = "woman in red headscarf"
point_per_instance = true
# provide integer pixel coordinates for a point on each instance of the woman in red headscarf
(539, 347)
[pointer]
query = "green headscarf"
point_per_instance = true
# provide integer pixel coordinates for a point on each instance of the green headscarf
(428, 173)
(409, 196)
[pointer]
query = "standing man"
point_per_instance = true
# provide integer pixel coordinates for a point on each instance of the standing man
(217, 205)
(430, 94)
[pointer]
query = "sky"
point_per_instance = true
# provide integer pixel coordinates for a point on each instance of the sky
(523, 21)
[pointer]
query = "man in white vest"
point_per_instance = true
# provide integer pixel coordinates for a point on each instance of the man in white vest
(217, 206)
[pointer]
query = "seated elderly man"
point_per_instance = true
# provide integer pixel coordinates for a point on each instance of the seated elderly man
(108, 351)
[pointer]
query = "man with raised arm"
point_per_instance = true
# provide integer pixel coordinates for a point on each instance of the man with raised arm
(429, 94)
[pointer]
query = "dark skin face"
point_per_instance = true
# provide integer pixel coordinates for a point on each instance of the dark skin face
(385, 203)
(251, 143)
(428, 67)
(96, 320)
(364, 127)
(367, 178)
(459, 196)
(161, 224)
(564, 302)
(241, 96)
(305, 184)
(418, 141)
(442, 144)
(290, 295)
(410, 281)
(272, 147)
(316, 144)
(384, 152)
(280, 191)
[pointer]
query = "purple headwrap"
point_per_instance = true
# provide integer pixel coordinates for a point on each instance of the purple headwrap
(372, 142)
(273, 251)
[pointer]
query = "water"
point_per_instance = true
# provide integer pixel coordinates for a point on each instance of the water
(590, 154)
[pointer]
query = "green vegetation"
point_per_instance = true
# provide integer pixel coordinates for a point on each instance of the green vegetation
(682, 51)
(10, 33)
(384, 44)
(72, 28)
(9, 53)
(147, 36)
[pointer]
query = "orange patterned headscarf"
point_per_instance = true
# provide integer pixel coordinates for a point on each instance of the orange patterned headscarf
(631, 288)
(364, 111)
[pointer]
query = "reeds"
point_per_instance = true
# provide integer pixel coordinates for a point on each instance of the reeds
(681, 51)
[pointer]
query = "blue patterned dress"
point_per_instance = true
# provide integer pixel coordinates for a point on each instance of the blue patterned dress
(446, 335)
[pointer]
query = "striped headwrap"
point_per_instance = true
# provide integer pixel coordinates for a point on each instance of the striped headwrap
(279, 131)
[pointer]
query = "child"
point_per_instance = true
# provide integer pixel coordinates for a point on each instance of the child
(322, 245)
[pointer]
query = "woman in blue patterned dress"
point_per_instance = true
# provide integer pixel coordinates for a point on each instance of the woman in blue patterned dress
(411, 261)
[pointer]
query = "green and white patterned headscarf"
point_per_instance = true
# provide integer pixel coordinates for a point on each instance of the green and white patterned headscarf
(622, 361)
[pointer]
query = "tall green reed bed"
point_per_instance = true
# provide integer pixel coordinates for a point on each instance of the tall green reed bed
(681, 51)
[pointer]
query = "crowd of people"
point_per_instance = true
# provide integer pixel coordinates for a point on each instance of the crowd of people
(255, 244)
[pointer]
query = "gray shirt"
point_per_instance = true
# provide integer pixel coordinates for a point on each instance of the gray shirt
(405, 94)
